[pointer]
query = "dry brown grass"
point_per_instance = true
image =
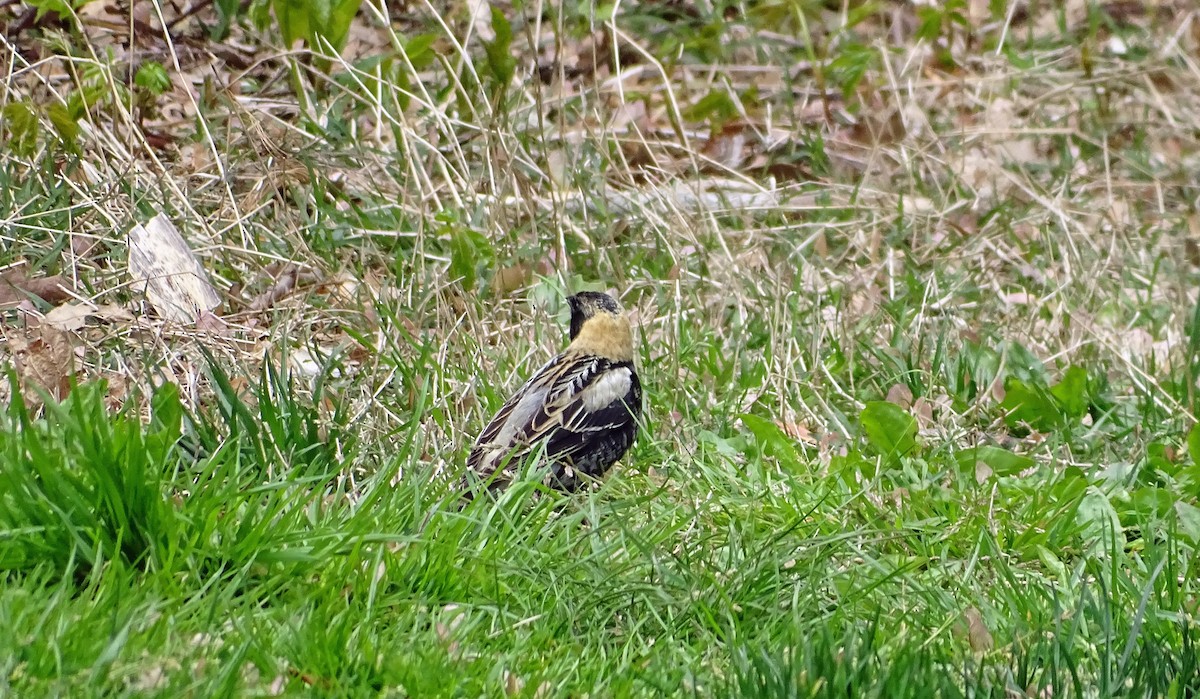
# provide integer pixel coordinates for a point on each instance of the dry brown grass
(1047, 200)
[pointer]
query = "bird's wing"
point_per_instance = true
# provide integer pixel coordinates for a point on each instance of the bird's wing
(570, 397)
(510, 433)
(608, 405)
(590, 399)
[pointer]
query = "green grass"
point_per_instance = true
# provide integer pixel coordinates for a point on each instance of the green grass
(135, 566)
(917, 322)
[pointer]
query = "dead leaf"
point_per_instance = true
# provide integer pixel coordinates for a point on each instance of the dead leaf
(44, 359)
(900, 395)
(977, 631)
(923, 410)
(728, 146)
(16, 287)
(212, 323)
(195, 157)
(29, 314)
(68, 317)
(73, 316)
(112, 313)
(821, 245)
(996, 390)
(83, 245)
(285, 283)
(796, 431)
(118, 390)
(509, 279)
(512, 684)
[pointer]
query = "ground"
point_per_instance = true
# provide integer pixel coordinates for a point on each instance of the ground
(915, 293)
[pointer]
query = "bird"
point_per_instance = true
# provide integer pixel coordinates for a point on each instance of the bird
(583, 406)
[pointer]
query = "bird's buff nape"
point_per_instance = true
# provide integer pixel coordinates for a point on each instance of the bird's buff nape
(605, 335)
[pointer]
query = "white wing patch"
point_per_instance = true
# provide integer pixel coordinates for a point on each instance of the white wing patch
(609, 388)
(547, 402)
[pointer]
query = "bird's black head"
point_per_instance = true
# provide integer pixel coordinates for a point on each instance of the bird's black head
(586, 305)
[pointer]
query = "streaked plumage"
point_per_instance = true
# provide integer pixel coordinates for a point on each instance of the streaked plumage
(583, 405)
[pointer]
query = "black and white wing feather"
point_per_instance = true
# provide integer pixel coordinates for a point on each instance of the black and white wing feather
(583, 407)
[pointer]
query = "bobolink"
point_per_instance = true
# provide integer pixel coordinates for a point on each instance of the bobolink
(583, 405)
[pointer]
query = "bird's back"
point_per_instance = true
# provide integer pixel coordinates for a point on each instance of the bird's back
(582, 406)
